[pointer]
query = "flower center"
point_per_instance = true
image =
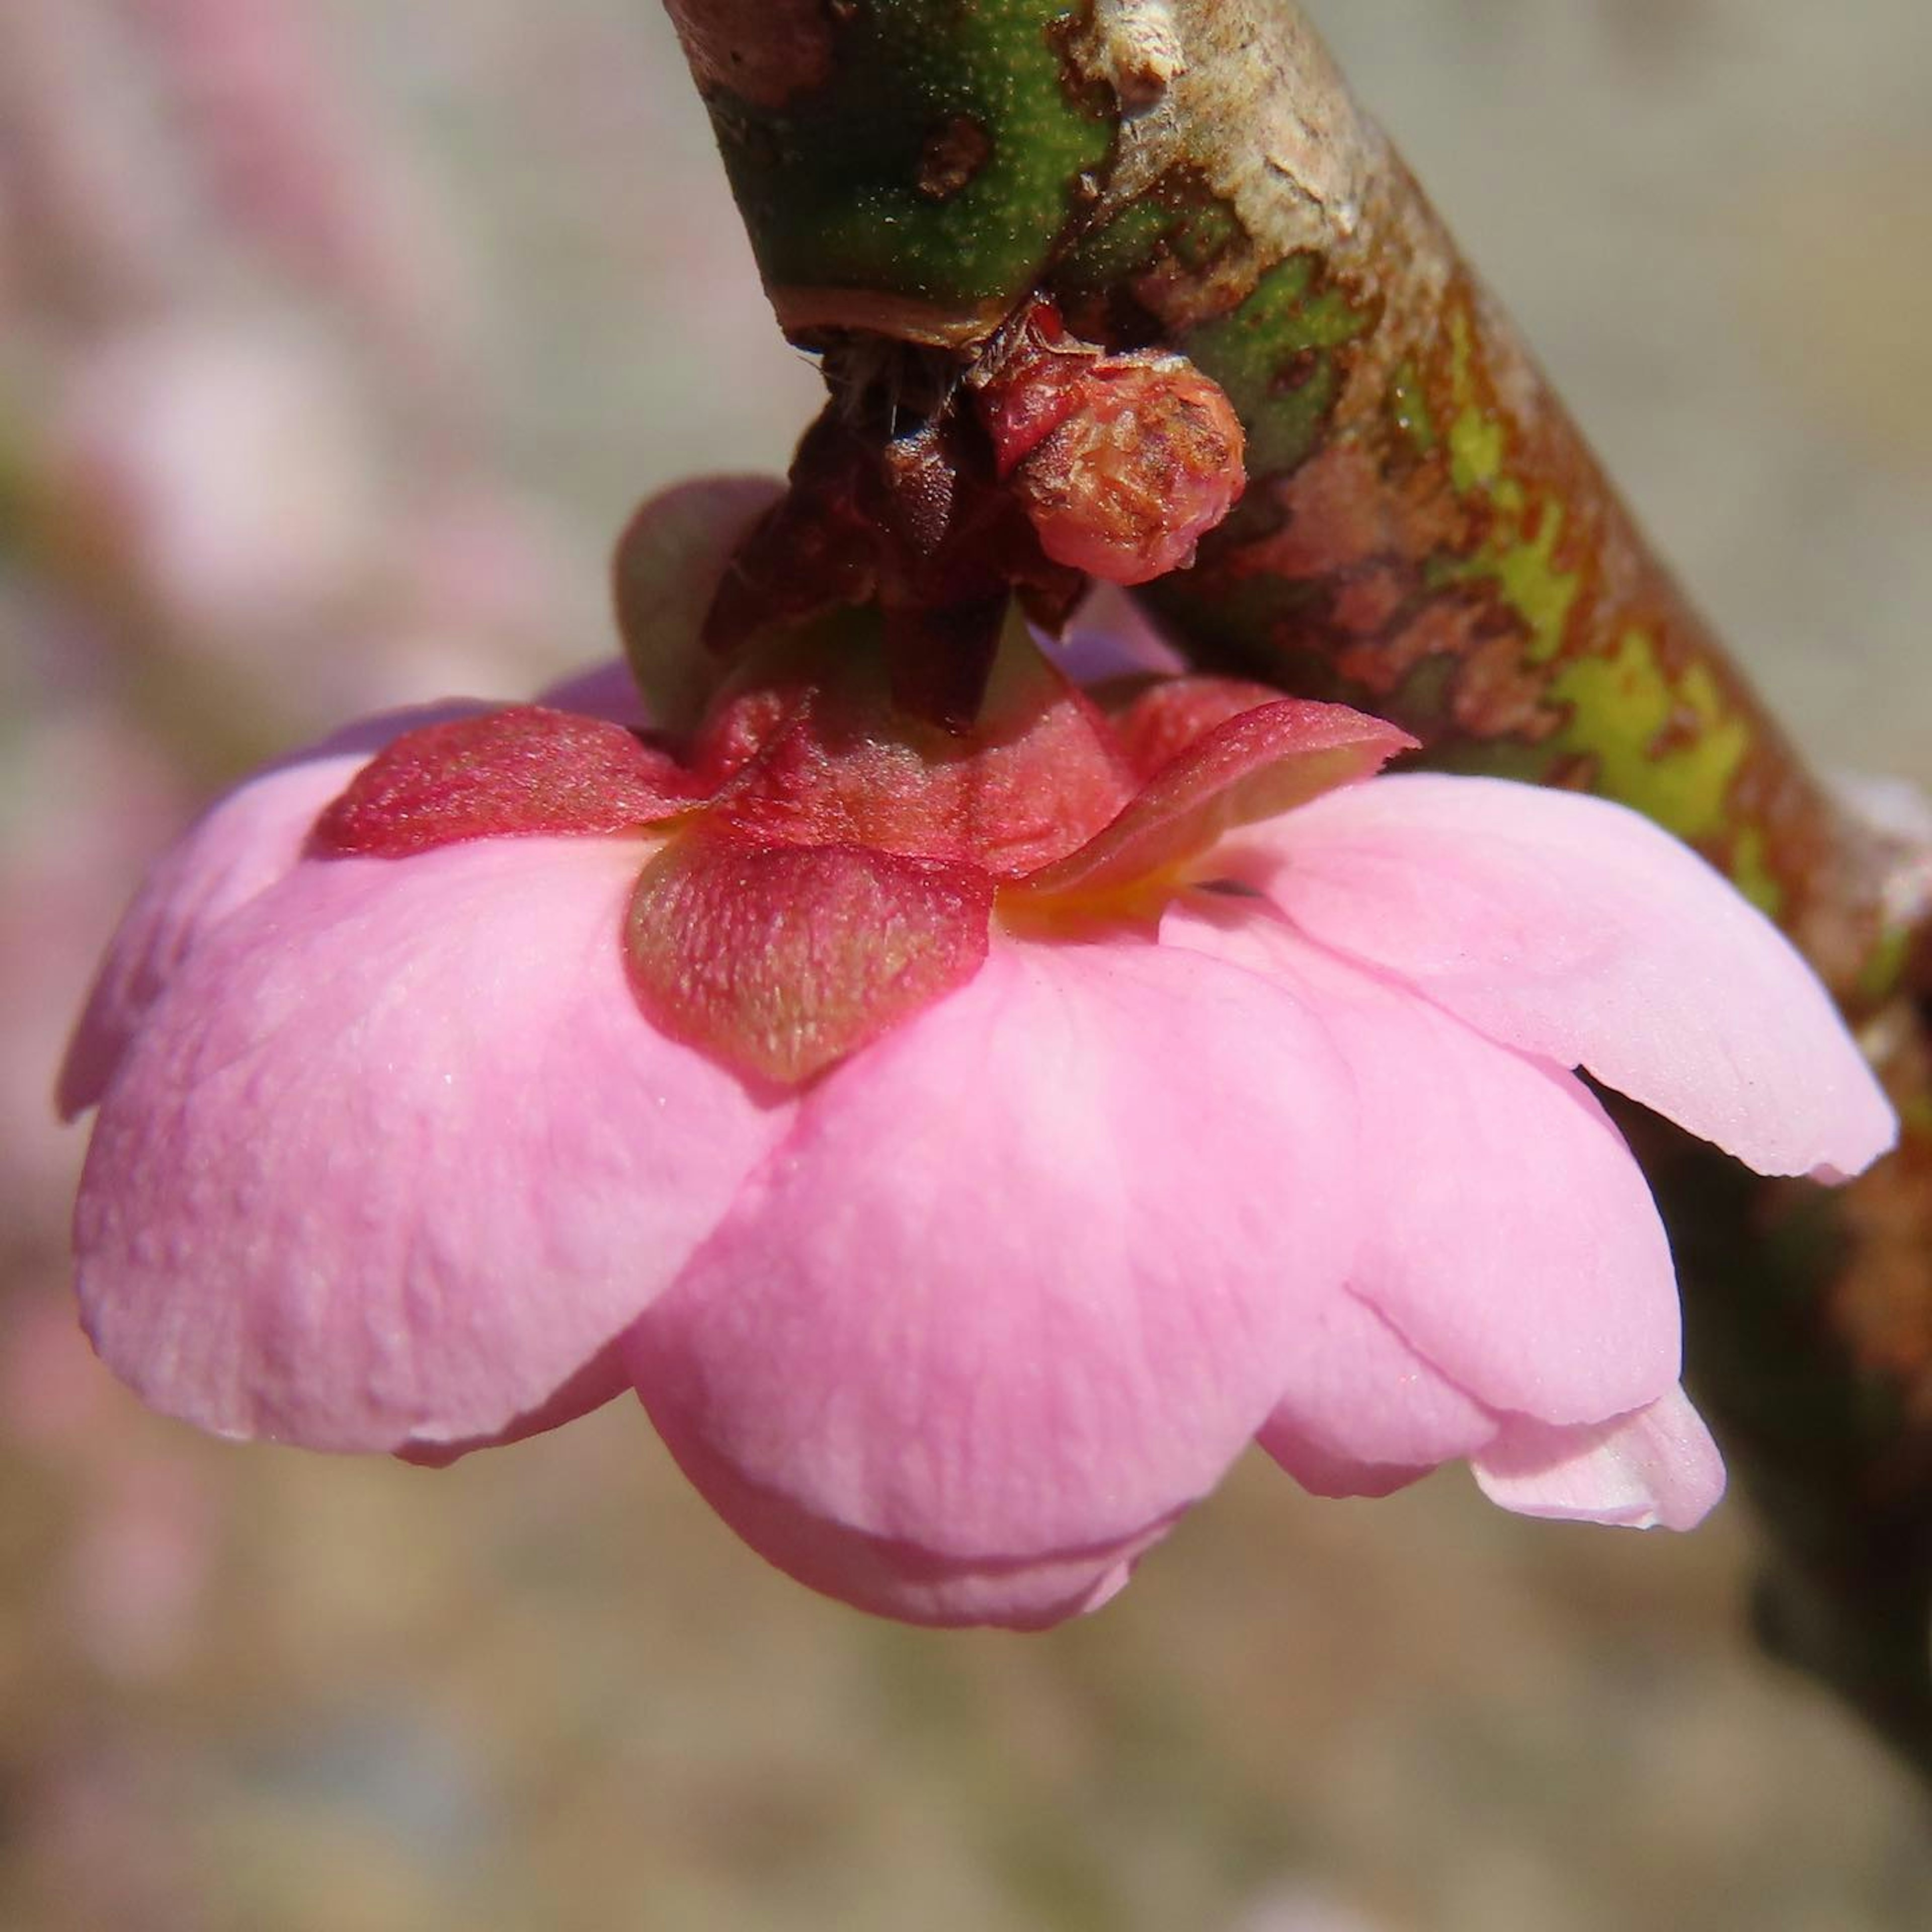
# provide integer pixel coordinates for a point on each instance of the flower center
(824, 862)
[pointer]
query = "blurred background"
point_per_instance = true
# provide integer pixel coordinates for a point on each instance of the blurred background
(337, 338)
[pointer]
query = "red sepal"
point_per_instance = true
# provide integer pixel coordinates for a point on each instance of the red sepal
(522, 771)
(1265, 761)
(1156, 719)
(1036, 776)
(780, 960)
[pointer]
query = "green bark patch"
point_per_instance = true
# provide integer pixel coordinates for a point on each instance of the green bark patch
(1176, 231)
(1277, 356)
(937, 164)
(1668, 747)
(1407, 405)
(1521, 561)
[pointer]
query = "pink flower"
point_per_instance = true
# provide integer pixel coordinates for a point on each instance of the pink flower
(965, 1147)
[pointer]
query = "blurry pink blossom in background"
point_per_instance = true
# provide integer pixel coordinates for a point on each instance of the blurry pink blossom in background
(182, 439)
(965, 1147)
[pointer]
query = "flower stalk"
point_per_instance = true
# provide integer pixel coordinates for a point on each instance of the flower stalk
(1425, 535)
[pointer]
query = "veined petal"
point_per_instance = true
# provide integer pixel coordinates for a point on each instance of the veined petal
(1360, 1413)
(1019, 1284)
(1508, 1235)
(1656, 1468)
(1577, 930)
(396, 1155)
(600, 1380)
(1321, 1472)
(241, 845)
(903, 1579)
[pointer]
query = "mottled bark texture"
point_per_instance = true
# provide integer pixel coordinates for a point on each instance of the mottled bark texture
(1425, 534)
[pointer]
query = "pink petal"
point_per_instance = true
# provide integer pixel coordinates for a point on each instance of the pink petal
(1321, 1472)
(1578, 931)
(1508, 1235)
(600, 1380)
(1360, 1413)
(1656, 1468)
(1111, 636)
(903, 1580)
(1018, 1286)
(396, 1155)
(242, 844)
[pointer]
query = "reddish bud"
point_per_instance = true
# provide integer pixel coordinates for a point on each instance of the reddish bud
(1122, 462)
(1133, 476)
(1028, 391)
